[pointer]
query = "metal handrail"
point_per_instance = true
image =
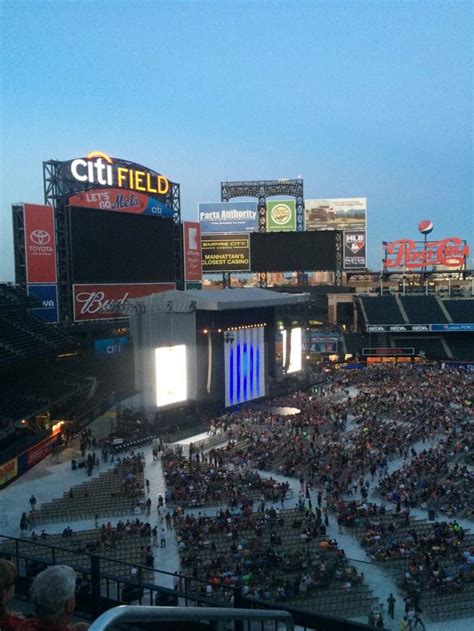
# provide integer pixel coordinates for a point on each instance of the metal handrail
(134, 613)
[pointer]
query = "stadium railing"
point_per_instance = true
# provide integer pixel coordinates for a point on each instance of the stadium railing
(222, 616)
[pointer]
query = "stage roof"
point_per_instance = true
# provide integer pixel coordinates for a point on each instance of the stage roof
(218, 299)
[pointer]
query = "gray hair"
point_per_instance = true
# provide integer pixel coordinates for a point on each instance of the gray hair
(52, 588)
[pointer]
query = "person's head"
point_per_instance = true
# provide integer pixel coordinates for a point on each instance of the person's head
(7, 583)
(52, 593)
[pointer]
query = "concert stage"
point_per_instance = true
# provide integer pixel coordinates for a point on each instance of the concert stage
(216, 347)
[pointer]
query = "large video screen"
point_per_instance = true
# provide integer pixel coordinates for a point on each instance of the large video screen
(293, 251)
(296, 347)
(171, 375)
(112, 247)
(244, 360)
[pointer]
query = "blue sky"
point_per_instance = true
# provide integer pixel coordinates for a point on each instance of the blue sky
(369, 99)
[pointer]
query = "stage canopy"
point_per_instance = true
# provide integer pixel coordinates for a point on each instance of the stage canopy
(218, 300)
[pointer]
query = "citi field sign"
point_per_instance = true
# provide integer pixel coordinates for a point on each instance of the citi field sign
(99, 169)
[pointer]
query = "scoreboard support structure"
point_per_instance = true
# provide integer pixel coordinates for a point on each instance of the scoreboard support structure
(58, 186)
(339, 259)
(261, 190)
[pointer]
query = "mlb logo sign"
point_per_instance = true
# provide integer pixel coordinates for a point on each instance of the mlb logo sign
(355, 242)
(355, 249)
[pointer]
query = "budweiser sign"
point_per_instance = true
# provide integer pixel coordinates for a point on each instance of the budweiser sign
(106, 302)
(408, 254)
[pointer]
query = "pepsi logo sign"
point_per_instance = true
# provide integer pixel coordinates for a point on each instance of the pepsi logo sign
(425, 226)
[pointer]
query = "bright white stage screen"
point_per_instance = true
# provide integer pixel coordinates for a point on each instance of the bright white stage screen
(295, 350)
(171, 375)
(244, 358)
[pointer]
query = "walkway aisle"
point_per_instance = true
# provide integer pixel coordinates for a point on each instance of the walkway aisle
(166, 559)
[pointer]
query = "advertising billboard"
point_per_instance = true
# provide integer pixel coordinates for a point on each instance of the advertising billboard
(8, 471)
(323, 342)
(41, 450)
(465, 327)
(230, 217)
(120, 200)
(104, 302)
(407, 254)
(171, 375)
(48, 294)
(97, 169)
(192, 251)
(281, 216)
(336, 214)
(40, 243)
(225, 253)
(355, 248)
(110, 347)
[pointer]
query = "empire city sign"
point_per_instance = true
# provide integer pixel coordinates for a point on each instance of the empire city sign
(98, 168)
(408, 254)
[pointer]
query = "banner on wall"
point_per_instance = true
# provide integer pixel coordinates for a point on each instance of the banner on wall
(103, 302)
(226, 253)
(336, 214)
(192, 251)
(355, 247)
(48, 294)
(40, 244)
(121, 200)
(110, 348)
(281, 216)
(230, 217)
(323, 341)
(466, 327)
(8, 471)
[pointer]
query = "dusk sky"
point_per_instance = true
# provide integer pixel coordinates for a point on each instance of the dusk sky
(363, 99)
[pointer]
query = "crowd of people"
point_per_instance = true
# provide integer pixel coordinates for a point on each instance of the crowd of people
(200, 480)
(341, 450)
(438, 478)
(273, 554)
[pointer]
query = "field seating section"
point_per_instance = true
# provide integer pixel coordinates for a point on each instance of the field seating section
(201, 484)
(381, 310)
(423, 310)
(436, 604)
(285, 563)
(104, 496)
(72, 551)
(460, 310)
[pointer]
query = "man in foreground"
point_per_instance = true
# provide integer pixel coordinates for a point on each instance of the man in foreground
(53, 597)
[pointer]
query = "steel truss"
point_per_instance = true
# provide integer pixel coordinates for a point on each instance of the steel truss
(58, 186)
(18, 220)
(338, 280)
(261, 190)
